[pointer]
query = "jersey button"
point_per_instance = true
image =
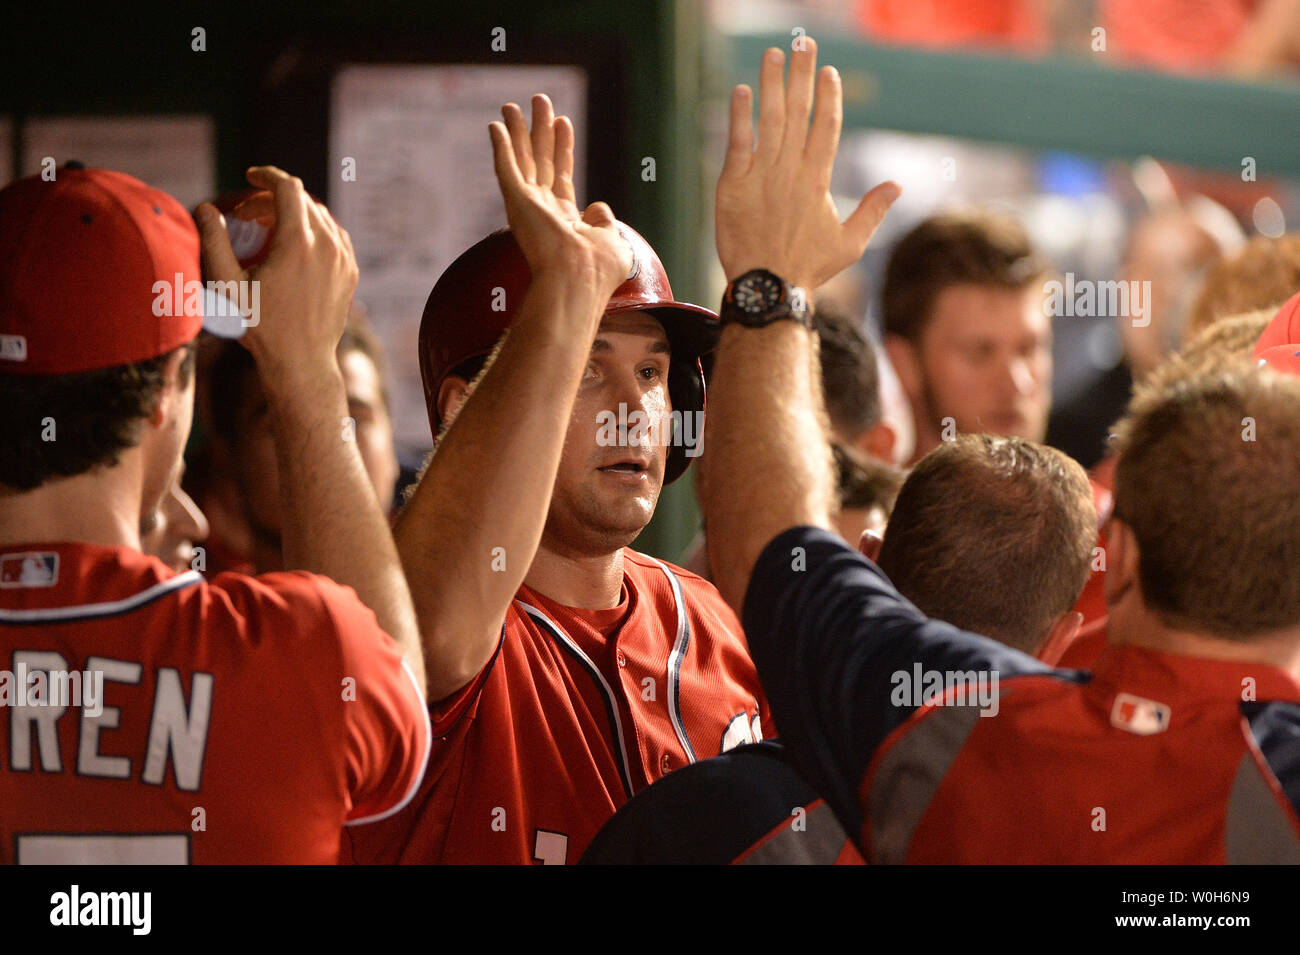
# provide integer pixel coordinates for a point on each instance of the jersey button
(664, 764)
(622, 660)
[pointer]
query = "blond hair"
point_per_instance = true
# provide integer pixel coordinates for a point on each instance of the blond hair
(1262, 275)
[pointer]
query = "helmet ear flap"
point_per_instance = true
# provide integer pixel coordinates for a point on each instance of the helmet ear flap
(686, 391)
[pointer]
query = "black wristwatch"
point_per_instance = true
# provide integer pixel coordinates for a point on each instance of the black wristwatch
(760, 298)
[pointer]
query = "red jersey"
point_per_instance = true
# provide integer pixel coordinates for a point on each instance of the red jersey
(934, 745)
(576, 711)
(246, 720)
(1086, 648)
(1083, 651)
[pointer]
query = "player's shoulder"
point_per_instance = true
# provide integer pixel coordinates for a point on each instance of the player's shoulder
(287, 605)
(283, 588)
(699, 595)
(645, 565)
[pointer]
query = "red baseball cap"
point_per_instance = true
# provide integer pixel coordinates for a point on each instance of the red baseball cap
(82, 257)
(1284, 358)
(1279, 344)
(1283, 329)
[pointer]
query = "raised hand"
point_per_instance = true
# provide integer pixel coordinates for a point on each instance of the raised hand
(536, 178)
(774, 209)
(332, 523)
(305, 284)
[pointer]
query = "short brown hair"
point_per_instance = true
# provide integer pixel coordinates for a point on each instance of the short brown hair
(850, 375)
(1206, 482)
(959, 248)
(994, 535)
(1226, 345)
(96, 415)
(865, 483)
(1263, 274)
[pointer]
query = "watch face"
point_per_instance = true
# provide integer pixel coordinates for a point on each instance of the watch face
(755, 294)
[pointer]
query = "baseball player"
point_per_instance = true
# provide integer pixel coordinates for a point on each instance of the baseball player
(571, 670)
(1199, 685)
(1225, 345)
(1030, 508)
(149, 716)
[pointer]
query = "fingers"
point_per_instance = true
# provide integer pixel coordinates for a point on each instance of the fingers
(824, 137)
(290, 197)
(504, 159)
(799, 95)
(543, 142)
(598, 214)
(347, 244)
(862, 224)
(259, 206)
(321, 222)
(519, 141)
(563, 185)
(771, 105)
(740, 142)
(219, 262)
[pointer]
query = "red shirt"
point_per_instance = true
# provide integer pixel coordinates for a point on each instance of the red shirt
(1150, 763)
(1015, 25)
(1183, 35)
(1154, 758)
(577, 710)
(246, 720)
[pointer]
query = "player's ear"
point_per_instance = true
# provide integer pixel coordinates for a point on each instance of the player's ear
(869, 544)
(878, 441)
(178, 376)
(452, 394)
(1060, 637)
(906, 363)
(1122, 556)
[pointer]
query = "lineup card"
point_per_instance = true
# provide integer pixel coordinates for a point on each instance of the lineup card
(411, 180)
(174, 153)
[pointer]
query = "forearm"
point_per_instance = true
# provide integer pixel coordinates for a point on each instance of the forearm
(766, 438)
(473, 526)
(332, 522)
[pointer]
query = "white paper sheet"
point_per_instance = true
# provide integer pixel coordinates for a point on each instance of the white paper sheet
(424, 189)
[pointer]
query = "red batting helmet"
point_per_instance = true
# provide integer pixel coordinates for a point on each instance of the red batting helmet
(479, 294)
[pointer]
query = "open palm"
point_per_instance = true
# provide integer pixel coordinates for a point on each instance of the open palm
(535, 172)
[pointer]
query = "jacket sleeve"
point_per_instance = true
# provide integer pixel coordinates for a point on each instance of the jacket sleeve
(843, 657)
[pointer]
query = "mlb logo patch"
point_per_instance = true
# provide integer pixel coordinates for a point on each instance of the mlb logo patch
(29, 570)
(1139, 716)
